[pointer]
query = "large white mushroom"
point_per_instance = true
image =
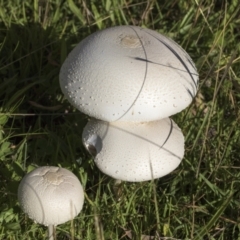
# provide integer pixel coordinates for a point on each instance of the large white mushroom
(131, 79)
(51, 196)
(128, 73)
(135, 151)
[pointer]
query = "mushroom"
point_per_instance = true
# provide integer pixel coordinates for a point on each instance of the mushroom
(133, 151)
(51, 196)
(128, 73)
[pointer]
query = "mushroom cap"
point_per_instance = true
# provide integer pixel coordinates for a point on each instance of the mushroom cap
(51, 195)
(128, 73)
(133, 151)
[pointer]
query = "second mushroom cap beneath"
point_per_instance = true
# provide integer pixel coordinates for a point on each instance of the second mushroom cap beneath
(135, 151)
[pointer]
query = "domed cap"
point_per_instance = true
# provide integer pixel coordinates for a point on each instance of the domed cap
(135, 151)
(128, 73)
(51, 195)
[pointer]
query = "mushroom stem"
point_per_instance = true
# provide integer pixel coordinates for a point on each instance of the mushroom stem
(117, 182)
(51, 230)
(117, 188)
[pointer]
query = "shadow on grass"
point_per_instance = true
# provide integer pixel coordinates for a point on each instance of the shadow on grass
(37, 127)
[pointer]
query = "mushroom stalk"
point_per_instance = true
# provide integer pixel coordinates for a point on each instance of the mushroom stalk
(117, 188)
(51, 230)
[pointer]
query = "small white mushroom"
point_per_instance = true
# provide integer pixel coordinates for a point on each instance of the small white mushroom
(129, 73)
(135, 151)
(51, 196)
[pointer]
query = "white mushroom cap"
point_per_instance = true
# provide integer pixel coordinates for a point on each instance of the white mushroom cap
(128, 73)
(51, 195)
(135, 151)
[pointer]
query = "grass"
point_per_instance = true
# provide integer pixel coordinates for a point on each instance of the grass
(200, 199)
